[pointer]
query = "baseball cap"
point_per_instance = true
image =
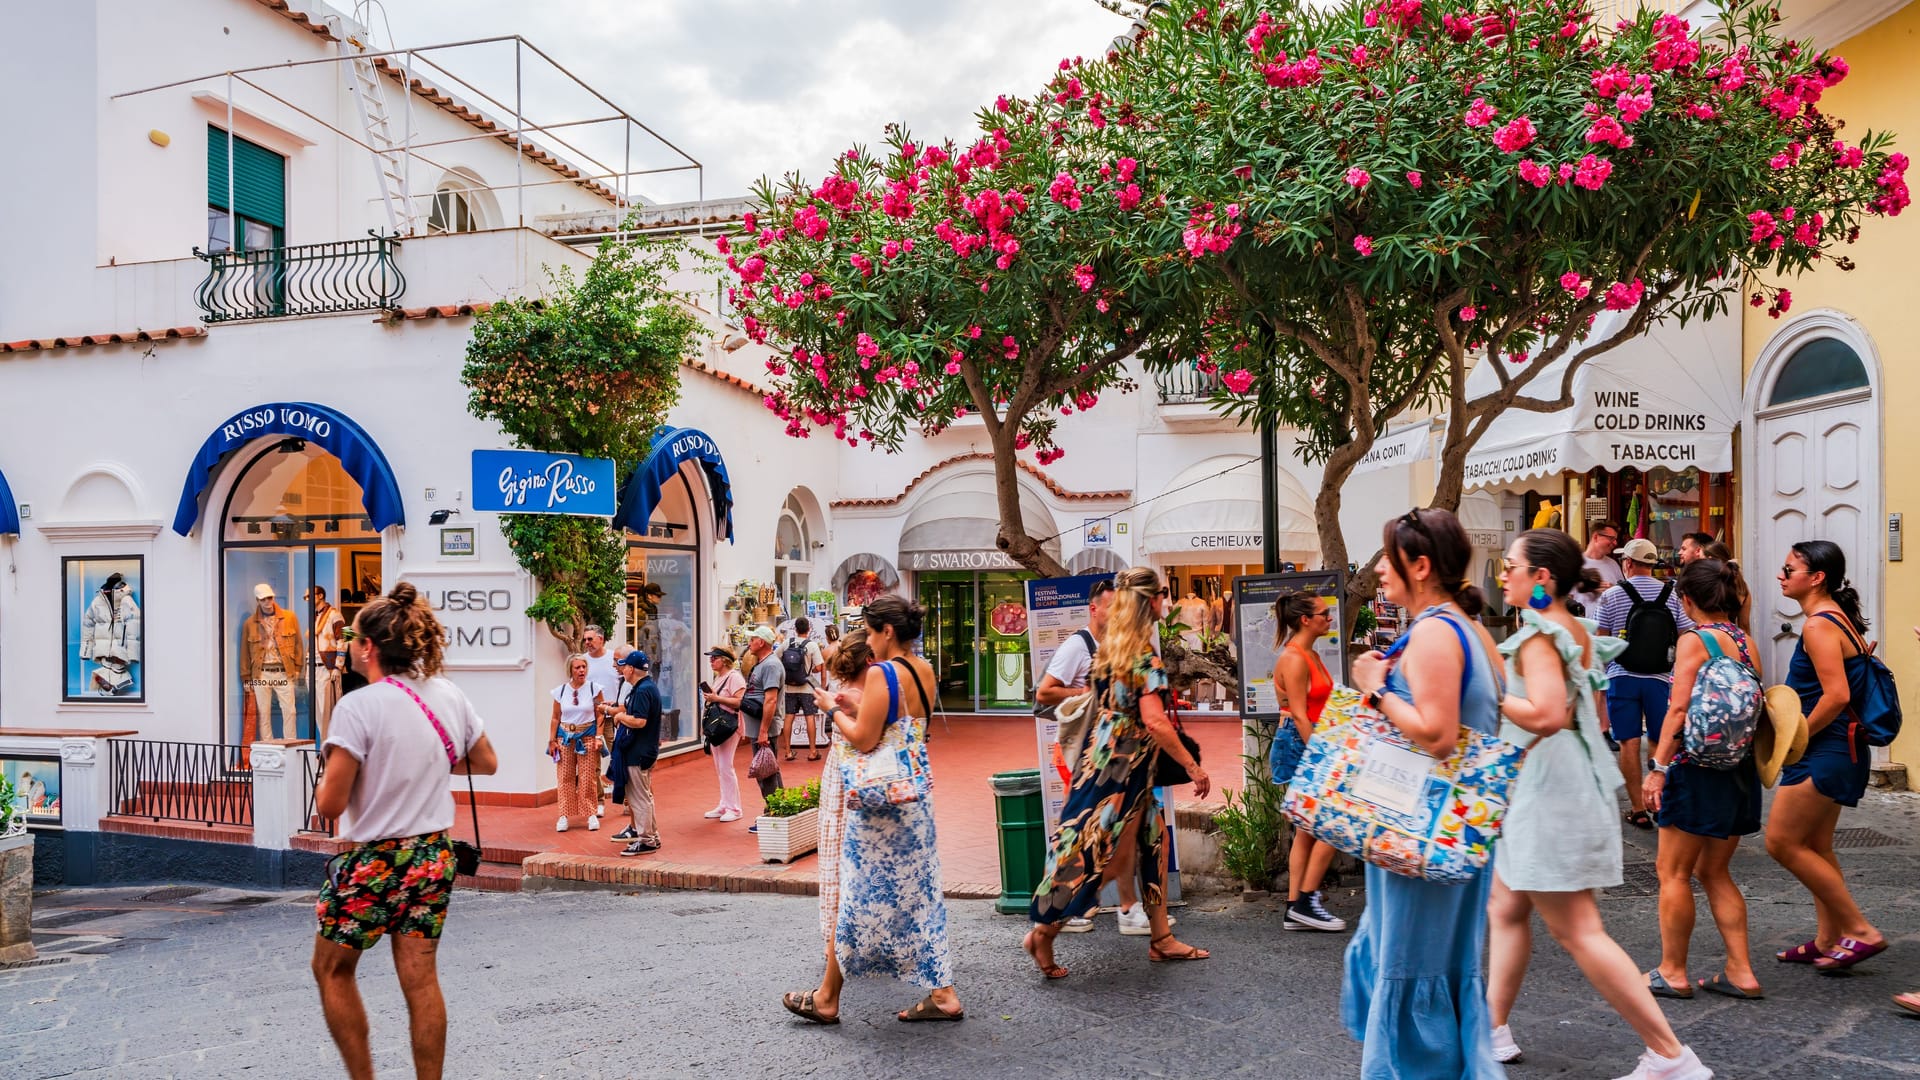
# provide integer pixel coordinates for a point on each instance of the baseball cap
(262, 591)
(765, 634)
(1640, 550)
(635, 659)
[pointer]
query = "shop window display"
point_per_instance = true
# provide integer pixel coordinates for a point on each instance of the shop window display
(36, 788)
(1662, 505)
(976, 639)
(298, 557)
(102, 641)
(662, 607)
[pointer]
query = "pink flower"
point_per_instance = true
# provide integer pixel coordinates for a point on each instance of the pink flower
(1607, 130)
(1847, 157)
(1592, 172)
(1701, 111)
(1515, 136)
(1128, 197)
(1480, 114)
(1781, 303)
(1763, 226)
(1012, 347)
(1083, 277)
(1633, 106)
(1469, 313)
(1575, 284)
(1003, 103)
(722, 245)
(1363, 244)
(1358, 177)
(1064, 191)
(973, 332)
(1239, 381)
(1413, 180)
(1621, 296)
(1125, 168)
(1535, 173)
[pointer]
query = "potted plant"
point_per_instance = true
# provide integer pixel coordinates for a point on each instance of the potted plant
(791, 826)
(16, 879)
(13, 819)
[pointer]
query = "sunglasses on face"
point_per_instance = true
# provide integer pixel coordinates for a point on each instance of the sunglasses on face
(1789, 571)
(349, 634)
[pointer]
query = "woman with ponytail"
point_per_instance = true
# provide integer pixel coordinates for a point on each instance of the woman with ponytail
(1111, 805)
(1304, 685)
(1414, 993)
(390, 749)
(1828, 668)
(1703, 811)
(1559, 844)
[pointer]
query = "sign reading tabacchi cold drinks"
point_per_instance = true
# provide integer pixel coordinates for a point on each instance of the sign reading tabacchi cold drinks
(536, 482)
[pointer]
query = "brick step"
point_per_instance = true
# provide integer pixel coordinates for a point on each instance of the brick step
(493, 877)
(178, 830)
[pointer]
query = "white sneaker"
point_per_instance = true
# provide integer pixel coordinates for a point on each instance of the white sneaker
(1076, 926)
(713, 813)
(593, 822)
(1505, 1050)
(731, 815)
(1685, 1067)
(1134, 922)
(561, 825)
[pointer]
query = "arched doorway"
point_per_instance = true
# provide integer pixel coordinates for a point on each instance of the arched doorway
(1817, 467)
(793, 548)
(662, 609)
(297, 552)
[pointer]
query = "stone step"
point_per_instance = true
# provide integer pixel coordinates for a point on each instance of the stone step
(177, 830)
(492, 877)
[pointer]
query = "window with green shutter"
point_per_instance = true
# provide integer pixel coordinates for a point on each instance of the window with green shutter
(259, 190)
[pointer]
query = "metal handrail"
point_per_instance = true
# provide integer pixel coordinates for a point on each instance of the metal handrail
(307, 279)
(1186, 385)
(180, 781)
(312, 767)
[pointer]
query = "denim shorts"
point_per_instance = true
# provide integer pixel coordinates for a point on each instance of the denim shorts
(1637, 705)
(1287, 751)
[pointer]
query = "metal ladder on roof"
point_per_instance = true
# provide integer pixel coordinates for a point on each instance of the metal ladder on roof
(389, 161)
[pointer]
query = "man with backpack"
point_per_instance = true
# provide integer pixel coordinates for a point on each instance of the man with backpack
(801, 663)
(1647, 613)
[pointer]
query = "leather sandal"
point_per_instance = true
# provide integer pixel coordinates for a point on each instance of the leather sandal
(1157, 956)
(1659, 987)
(1720, 984)
(1054, 971)
(801, 1005)
(1846, 953)
(927, 1009)
(1804, 953)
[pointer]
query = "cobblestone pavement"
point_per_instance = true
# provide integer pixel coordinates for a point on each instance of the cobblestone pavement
(148, 984)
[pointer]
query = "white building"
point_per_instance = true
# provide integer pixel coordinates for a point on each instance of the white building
(286, 411)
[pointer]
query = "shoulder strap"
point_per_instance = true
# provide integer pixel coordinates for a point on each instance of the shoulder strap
(1666, 591)
(453, 759)
(925, 702)
(1087, 636)
(1845, 628)
(1466, 652)
(1713, 647)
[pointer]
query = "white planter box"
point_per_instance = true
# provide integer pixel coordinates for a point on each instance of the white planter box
(784, 839)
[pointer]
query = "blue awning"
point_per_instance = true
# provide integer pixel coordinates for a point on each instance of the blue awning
(332, 431)
(672, 448)
(9, 513)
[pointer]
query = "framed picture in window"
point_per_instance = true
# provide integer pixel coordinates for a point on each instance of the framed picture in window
(363, 571)
(36, 787)
(102, 610)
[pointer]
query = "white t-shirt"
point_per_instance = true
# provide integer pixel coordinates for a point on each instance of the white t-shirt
(1610, 576)
(600, 668)
(402, 789)
(1071, 662)
(813, 662)
(574, 715)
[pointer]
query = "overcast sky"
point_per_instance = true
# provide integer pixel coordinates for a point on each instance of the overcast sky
(753, 87)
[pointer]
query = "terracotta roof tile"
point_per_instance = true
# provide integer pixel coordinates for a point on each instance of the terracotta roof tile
(433, 311)
(75, 341)
(730, 379)
(1025, 466)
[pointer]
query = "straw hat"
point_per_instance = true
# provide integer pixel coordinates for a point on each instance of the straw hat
(1782, 735)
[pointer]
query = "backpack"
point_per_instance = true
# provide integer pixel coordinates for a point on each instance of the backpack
(1650, 631)
(793, 659)
(1876, 702)
(1724, 713)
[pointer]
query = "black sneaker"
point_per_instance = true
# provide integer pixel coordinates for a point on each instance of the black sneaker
(641, 847)
(624, 835)
(1310, 913)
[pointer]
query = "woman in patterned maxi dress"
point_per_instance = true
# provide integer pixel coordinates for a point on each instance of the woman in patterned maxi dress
(1111, 802)
(889, 914)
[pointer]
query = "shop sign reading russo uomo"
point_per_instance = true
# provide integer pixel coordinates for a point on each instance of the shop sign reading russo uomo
(483, 614)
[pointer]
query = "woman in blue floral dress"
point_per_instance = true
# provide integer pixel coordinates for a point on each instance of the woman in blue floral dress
(891, 916)
(1111, 803)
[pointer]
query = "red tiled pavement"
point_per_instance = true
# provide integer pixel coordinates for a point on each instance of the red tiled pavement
(965, 752)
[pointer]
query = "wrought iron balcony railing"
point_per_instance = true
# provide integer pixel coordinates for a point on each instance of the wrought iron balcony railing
(180, 781)
(1186, 385)
(310, 279)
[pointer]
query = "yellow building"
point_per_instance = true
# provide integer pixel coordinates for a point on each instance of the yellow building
(1819, 458)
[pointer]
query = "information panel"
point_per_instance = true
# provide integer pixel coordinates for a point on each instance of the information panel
(1258, 645)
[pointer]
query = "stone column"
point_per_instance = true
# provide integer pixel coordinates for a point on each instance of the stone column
(279, 796)
(86, 793)
(16, 899)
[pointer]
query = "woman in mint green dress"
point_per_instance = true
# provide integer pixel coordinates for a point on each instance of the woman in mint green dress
(1561, 838)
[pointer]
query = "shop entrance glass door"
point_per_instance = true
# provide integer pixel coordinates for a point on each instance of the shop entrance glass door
(975, 636)
(947, 637)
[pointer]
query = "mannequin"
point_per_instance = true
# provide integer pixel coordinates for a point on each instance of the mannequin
(271, 657)
(110, 637)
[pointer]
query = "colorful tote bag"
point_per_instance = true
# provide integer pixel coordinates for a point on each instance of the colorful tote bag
(1369, 791)
(894, 772)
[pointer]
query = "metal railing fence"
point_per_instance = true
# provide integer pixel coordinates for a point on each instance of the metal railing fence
(180, 781)
(308, 279)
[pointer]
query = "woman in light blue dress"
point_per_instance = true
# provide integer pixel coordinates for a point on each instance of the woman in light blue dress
(1414, 993)
(890, 918)
(1561, 840)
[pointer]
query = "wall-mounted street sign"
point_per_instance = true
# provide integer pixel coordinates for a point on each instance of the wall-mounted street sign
(536, 482)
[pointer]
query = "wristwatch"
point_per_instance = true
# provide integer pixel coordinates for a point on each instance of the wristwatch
(1373, 699)
(1655, 767)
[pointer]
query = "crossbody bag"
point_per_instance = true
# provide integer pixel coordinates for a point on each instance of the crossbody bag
(466, 857)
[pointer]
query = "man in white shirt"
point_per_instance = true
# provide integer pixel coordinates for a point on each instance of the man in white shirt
(1600, 545)
(393, 746)
(603, 671)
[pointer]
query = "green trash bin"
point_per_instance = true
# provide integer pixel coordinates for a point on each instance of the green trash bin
(1023, 837)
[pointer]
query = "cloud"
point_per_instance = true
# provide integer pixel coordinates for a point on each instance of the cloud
(766, 87)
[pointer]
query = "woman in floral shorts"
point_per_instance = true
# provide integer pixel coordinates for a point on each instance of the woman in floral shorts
(395, 887)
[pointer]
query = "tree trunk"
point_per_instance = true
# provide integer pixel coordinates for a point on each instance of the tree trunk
(1013, 538)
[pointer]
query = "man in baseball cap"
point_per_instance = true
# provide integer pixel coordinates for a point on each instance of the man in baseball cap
(1647, 612)
(636, 746)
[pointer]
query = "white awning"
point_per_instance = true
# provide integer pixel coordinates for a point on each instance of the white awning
(1217, 519)
(956, 526)
(1668, 398)
(1396, 448)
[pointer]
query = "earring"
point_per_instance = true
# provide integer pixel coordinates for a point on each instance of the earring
(1539, 600)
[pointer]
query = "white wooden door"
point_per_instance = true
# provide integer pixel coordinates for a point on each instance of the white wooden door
(1819, 480)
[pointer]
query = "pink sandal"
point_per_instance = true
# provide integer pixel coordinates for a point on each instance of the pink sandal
(1805, 953)
(1848, 953)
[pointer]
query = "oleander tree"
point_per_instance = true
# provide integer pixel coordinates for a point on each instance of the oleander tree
(1361, 200)
(921, 284)
(589, 368)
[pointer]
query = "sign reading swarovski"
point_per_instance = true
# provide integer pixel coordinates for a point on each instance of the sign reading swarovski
(535, 482)
(957, 560)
